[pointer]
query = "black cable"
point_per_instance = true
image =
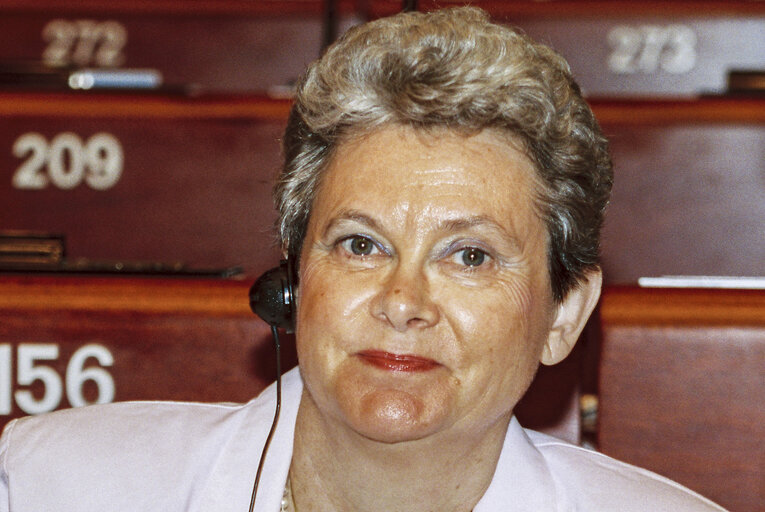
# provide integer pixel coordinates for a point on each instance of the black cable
(276, 418)
(330, 23)
(409, 5)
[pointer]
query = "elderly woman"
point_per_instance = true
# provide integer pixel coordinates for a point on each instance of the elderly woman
(441, 201)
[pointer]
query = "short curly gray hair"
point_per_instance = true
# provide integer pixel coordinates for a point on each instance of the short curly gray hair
(454, 69)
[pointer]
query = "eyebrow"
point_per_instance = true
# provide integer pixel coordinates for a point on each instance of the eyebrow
(461, 224)
(449, 225)
(466, 223)
(353, 216)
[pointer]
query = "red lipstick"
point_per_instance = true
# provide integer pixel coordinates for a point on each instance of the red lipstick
(397, 362)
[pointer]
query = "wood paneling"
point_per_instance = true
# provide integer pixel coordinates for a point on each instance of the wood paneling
(689, 188)
(628, 48)
(534, 8)
(175, 339)
(76, 105)
(712, 110)
(241, 45)
(260, 8)
(204, 46)
(682, 388)
(668, 307)
(195, 185)
(587, 8)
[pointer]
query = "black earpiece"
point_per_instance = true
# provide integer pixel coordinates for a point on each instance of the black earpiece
(272, 296)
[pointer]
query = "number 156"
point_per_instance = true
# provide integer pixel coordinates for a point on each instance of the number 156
(29, 370)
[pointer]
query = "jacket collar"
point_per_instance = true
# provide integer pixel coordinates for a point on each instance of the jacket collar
(522, 481)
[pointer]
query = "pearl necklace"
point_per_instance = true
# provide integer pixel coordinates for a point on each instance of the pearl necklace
(287, 497)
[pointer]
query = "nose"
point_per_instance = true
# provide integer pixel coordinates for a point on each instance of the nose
(405, 301)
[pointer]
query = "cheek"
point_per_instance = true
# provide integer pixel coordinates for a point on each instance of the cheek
(492, 321)
(330, 318)
(315, 331)
(526, 328)
(502, 339)
(330, 300)
(312, 315)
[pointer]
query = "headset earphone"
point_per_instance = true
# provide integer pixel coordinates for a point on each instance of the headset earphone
(272, 298)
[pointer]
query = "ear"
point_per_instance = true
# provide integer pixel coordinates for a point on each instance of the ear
(570, 318)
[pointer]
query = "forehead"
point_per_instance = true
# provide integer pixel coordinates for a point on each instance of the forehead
(397, 172)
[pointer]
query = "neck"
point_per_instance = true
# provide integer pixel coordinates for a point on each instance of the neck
(334, 469)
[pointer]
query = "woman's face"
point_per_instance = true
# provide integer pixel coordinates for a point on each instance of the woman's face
(424, 299)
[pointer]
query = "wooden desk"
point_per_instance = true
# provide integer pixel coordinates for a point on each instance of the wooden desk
(682, 388)
(168, 339)
(627, 48)
(193, 184)
(688, 195)
(634, 48)
(221, 45)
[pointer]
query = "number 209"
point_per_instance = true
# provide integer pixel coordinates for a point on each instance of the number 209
(67, 161)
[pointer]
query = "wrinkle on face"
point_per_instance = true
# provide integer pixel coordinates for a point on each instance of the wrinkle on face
(421, 202)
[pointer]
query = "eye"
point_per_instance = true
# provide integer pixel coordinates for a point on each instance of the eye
(471, 257)
(359, 245)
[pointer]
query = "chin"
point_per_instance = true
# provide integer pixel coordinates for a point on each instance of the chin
(392, 414)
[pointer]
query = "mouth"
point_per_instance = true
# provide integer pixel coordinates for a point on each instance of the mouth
(397, 362)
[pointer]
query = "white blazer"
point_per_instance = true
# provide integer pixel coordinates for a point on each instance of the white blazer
(174, 457)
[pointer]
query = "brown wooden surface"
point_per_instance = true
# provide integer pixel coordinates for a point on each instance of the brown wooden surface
(688, 196)
(387, 7)
(181, 7)
(200, 49)
(682, 388)
(198, 172)
(603, 66)
(196, 183)
(192, 339)
(176, 339)
(226, 298)
(244, 45)
(688, 191)
(588, 8)
(74, 105)
(672, 307)
(721, 35)
(714, 110)
(609, 111)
